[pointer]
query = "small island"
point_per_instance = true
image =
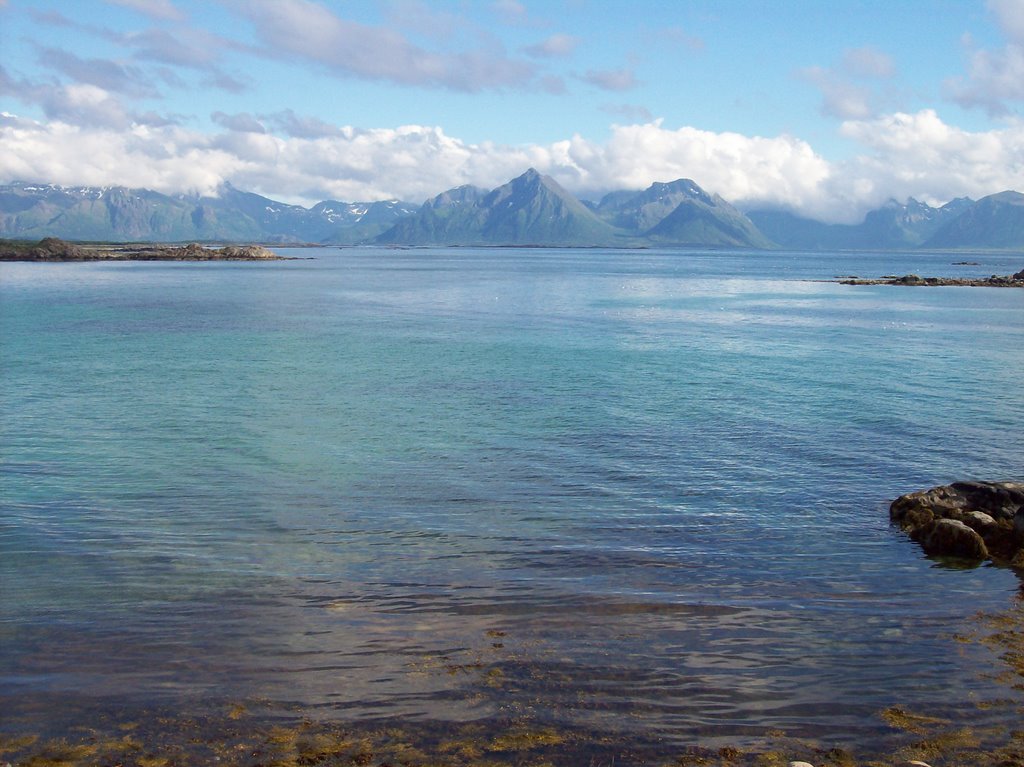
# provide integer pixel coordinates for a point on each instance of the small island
(52, 249)
(995, 281)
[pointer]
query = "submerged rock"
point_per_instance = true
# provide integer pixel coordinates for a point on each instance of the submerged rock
(968, 520)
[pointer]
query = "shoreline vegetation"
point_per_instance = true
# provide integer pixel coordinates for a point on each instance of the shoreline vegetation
(52, 249)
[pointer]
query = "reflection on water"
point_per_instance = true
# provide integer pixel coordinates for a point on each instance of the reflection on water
(642, 495)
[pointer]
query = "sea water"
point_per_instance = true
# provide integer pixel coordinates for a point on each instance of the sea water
(641, 492)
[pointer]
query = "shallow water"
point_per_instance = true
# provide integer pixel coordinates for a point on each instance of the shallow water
(642, 492)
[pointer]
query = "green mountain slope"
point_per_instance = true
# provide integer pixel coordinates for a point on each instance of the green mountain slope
(894, 226)
(996, 221)
(120, 214)
(681, 213)
(529, 210)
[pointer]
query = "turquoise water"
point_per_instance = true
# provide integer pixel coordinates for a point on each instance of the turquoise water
(643, 492)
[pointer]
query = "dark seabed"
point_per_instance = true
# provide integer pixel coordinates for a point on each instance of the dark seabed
(641, 494)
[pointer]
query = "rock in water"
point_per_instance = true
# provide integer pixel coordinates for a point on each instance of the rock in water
(969, 520)
(47, 249)
(978, 520)
(247, 253)
(952, 538)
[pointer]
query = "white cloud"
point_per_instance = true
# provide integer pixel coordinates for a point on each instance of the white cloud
(849, 90)
(553, 84)
(1010, 17)
(630, 112)
(994, 79)
(301, 126)
(158, 9)
(553, 47)
(165, 159)
(510, 11)
(918, 155)
(903, 155)
(839, 97)
(103, 73)
(311, 32)
(194, 48)
(84, 104)
(867, 62)
(242, 122)
(781, 171)
(611, 79)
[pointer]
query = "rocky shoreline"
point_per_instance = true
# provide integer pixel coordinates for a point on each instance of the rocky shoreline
(52, 249)
(995, 281)
(973, 521)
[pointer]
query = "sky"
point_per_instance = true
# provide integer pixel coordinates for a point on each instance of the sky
(826, 108)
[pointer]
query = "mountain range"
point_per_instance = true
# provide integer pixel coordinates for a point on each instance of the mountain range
(118, 214)
(530, 210)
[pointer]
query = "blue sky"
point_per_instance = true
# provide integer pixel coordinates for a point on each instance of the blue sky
(824, 108)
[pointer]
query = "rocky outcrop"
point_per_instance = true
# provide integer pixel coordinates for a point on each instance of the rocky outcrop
(196, 252)
(47, 249)
(966, 520)
(995, 281)
(247, 253)
(52, 249)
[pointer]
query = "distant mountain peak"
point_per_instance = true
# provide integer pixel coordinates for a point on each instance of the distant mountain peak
(118, 213)
(531, 209)
(1008, 197)
(995, 221)
(680, 212)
